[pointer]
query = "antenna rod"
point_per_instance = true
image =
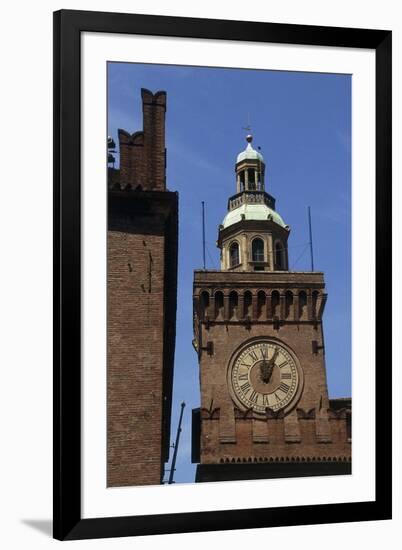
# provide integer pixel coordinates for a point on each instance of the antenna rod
(260, 171)
(203, 234)
(311, 239)
(176, 445)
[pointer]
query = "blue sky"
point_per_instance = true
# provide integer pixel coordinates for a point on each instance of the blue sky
(302, 122)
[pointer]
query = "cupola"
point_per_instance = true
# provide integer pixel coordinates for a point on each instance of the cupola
(252, 236)
(250, 169)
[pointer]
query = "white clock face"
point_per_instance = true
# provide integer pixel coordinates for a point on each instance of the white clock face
(264, 374)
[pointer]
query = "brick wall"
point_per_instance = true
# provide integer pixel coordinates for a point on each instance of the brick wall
(143, 153)
(141, 320)
(142, 294)
(311, 430)
(135, 358)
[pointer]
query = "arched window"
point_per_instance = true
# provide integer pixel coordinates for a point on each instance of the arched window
(275, 303)
(260, 185)
(261, 303)
(218, 305)
(233, 304)
(234, 254)
(257, 250)
(314, 304)
(242, 180)
(248, 304)
(251, 179)
(288, 303)
(279, 256)
(349, 426)
(204, 305)
(302, 305)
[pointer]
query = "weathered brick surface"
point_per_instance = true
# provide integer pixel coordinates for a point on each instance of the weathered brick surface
(135, 357)
(311, 416)
(141, 301)
(143, 153)
(142, 279)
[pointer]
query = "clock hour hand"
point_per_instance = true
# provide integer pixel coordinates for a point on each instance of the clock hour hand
(267, 367)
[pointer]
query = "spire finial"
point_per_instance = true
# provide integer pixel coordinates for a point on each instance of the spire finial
(249, 137)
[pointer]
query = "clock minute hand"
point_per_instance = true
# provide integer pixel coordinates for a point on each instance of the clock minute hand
(275, 355)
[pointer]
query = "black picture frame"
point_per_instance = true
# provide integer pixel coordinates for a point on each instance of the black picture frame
(68, 26)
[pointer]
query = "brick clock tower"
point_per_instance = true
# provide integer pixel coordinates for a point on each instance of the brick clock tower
(265, 410)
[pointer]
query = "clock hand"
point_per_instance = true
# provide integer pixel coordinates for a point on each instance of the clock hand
(275, 355)
(267, 367)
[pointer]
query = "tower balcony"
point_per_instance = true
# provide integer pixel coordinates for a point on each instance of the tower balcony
(251, 197)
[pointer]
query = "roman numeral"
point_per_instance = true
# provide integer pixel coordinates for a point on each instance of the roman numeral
(285, 375)
(284, 387)
(265, 400)
(263, 350)
(283, 364)
(277, 397)
(253, 355)
(245, 376)
(254, 396)
(245, 365)
(245, 387)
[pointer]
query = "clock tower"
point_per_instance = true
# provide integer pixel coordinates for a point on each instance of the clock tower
(265, 409)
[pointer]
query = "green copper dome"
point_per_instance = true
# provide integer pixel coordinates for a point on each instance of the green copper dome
(252, 212)
(249, 152)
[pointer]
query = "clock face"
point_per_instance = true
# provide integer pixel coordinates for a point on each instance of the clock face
(264, 374)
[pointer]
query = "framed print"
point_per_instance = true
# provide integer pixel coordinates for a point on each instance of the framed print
(222, 239)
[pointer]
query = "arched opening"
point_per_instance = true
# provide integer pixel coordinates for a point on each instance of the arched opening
(279, 264)
(204, 305)
(261, 303)
(242, 180)
(302, 305)
(275, 303)
(314, 303)
(257, 250)
(234, 257)
(258, 179)
(251, 179)
(219, 305)
(248, 304)
(262, 174)
(288, 304)
(233, 304)
(349, 426)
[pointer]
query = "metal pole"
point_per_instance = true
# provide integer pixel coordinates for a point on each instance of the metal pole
(176, 446)
(203, 234)
(311, 239)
